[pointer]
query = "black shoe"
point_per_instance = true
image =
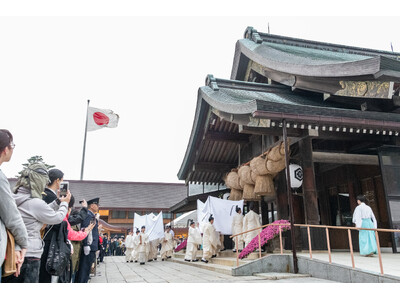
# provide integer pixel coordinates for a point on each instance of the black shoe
(204, 260)
(127, 261)
(142, 263)
(234, 250)
(155, 259)
(169, 256)
(131, 261)
(240, 251)
(187, 260)
(221, 250)
(162, 259)
(136, 261)
(215, 255)
(194, 260)
(149, 260)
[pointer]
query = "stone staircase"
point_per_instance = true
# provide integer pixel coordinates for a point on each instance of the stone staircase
(223, 263)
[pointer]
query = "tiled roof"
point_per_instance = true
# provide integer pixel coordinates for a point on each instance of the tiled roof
(129, 195)
(242, 100)
(310, 58)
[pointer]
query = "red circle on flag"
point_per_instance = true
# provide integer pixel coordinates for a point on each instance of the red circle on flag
(100, 118)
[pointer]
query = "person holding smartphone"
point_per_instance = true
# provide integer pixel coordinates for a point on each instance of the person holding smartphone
(51, 193)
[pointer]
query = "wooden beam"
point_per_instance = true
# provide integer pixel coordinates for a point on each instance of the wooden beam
(276, 131)
(345, 158)
(226, 137)
(212, 167)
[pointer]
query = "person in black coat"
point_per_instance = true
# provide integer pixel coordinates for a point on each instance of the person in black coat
(50, 194)
(90, 244)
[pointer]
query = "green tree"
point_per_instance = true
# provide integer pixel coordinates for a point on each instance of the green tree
(35, 159)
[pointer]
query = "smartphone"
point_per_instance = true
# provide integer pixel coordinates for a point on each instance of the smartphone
(64, 187)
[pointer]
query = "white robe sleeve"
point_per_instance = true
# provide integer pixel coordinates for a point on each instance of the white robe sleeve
(357, 217)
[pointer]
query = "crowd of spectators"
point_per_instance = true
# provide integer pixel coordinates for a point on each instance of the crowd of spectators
(43, 238)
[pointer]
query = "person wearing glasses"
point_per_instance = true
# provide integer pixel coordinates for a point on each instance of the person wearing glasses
(35, 212)
(10, 218)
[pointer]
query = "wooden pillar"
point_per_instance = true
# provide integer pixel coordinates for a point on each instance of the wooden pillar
(264, 211)
(309, 187)
(282, 206)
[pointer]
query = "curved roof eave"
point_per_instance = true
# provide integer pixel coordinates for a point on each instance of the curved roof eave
(225, 103)
(207, 97)
(257, 53)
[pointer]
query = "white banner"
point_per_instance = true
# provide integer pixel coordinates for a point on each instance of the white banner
(202, 218)
(154, 225)
(222, 210)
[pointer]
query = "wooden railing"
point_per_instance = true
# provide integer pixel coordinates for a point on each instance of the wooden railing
(327, 239)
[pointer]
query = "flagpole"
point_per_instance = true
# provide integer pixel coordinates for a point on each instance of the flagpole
(84, 140)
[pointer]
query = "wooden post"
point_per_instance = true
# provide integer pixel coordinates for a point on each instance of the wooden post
(379, 251)
(259, 245)
(329, 244)
(309, 241)
(309, 187)
(351, 248)
(280, 239)
(290, 199)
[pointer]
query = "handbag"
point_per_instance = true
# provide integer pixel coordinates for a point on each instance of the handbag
(9, 265)
(59, 252)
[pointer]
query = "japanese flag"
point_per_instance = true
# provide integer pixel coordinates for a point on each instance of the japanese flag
(99, 118)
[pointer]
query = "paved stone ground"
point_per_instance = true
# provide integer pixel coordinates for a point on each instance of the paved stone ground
(116, 270)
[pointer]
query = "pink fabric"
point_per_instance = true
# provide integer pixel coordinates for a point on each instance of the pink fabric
(74, 235)
(181, 246)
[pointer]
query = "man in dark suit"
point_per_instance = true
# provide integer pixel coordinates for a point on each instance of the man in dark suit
(90, 243)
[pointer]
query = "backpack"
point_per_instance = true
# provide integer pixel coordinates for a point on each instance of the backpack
(59, 251)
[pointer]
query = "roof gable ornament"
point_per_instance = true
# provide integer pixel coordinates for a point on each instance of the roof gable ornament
(212, 82)
(252, 34)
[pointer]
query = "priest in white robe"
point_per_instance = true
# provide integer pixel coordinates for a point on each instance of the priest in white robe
(143, 245)
(129, 247)
(153, 250)
(364, 217)
(250, 221)
(210, 240)
(193, 241)
(167, 244)
(237, 227)
(136, 241)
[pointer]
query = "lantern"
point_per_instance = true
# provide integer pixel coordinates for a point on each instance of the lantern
(296, 176)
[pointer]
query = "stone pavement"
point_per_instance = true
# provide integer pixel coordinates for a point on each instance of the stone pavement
(116, 270)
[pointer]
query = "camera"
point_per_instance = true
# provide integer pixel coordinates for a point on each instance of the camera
(64, 187)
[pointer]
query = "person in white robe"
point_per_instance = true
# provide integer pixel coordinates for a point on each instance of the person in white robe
(129, 247)
(237, 227)
(153, 250)
(143, 243)
(220, 243)
(364, 217)
(209, 240)
(250, 221)
(193, 241)
(136, 241)
(167, 244)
